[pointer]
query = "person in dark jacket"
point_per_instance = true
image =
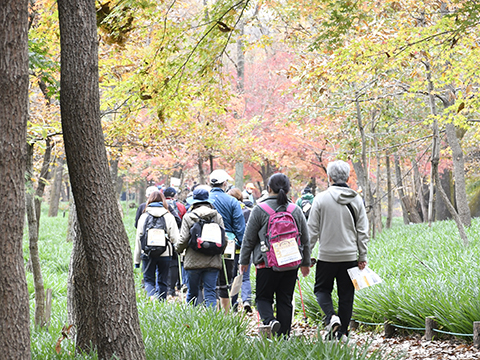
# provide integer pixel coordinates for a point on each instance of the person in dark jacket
(232, 215)
(270, 283)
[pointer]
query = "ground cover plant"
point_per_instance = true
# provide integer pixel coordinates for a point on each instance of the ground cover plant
(170, 330)
(425, 271)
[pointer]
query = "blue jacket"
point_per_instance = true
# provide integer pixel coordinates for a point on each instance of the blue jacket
(231, 212)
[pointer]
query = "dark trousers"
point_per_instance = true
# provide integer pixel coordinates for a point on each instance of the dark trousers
(223, 283)
(280, 284)
(325, 275)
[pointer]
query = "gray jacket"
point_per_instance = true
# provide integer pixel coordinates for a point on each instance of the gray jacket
(194, 259)
(257, 231)
(332, 225)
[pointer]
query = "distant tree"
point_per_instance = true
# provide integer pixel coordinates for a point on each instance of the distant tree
(105, 311)
(14, 308)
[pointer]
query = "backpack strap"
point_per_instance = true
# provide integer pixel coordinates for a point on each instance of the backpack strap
(267, 208)
(291, 207)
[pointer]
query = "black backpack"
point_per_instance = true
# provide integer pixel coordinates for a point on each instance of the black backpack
(154, 240)
(306, 206)
(207, 237)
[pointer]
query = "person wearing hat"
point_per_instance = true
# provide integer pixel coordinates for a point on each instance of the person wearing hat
(249, 192)
(305, 201)
(200, 268)
(232, 215)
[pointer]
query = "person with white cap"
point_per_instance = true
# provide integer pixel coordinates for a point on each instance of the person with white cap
(234, 222)
(141, 208)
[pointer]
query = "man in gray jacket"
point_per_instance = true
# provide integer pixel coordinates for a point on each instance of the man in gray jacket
(338, 221)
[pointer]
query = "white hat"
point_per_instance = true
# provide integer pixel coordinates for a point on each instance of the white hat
(150, 190)
(219, 177)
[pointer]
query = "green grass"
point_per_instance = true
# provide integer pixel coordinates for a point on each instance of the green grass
(170, 331)
(426, 272)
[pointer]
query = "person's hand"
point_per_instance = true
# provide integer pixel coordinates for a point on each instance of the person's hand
(243, 268)
(305, 270)
(362, 264)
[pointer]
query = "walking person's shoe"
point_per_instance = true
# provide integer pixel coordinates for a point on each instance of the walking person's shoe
(275, 326)
(247, 307)
(332, 327)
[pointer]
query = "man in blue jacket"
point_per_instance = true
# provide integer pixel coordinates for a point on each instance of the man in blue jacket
(234, 222)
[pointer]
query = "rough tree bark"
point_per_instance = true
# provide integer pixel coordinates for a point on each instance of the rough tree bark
(419, 187)
(14, 81)
(109, 320)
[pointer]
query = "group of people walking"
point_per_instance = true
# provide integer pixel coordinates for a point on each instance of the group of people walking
(337, 221)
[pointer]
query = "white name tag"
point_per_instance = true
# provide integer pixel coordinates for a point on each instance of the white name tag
(286, 251)
(212, 233)
(229, 252)
(156, 237)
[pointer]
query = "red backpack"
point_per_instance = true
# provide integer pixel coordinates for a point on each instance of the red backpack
(282, 251)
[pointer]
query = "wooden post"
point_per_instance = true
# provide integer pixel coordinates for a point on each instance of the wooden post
(476, 334)
(389, 329)
(353, 325)
(430, 326)
(265, 330)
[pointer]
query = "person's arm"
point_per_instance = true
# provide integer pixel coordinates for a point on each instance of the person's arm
(184, 234)
(362, 233)
(305, 240)
(238, 222)
(314, 223)
(250, 238)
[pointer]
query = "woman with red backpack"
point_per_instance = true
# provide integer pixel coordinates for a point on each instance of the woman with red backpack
(277, 236)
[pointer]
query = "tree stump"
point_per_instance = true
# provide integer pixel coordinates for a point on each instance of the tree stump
(476, 334)
(430, 326)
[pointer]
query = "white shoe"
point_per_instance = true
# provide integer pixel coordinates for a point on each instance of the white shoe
(333, 325)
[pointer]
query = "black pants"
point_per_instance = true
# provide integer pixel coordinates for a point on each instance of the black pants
(280, 284)
(325, 275)
(223, 284)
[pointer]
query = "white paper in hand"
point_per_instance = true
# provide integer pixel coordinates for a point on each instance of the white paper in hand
(363, 278)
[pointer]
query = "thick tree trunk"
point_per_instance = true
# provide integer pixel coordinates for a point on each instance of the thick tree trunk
(109, 320)
(401, 193)
(14, 81)
(56, 189)
(459, 175)
(389, 192)
(33, 227)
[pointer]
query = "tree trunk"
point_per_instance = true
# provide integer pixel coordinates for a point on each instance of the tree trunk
(56, 189)
(109, 320)
(459, 175)
(201, 172)
(72, 222)
(389, 192)
(378, 195)
(33, 243)
(239, 175)
(401, 193)
(419, 186)
(43, 179)
(14, 82)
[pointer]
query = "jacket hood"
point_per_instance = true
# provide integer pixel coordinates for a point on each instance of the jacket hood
(156, 211)
(342, 195)
(204, 211)
(308, 196)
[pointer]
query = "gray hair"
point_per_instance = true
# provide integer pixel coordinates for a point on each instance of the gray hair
(339, 171)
